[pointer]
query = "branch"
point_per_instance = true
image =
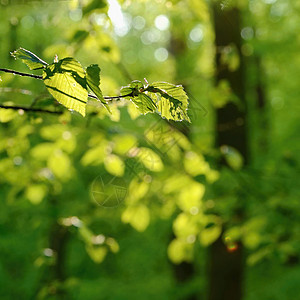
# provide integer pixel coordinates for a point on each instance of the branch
(31, 109)
(21, 73)
(41, 78)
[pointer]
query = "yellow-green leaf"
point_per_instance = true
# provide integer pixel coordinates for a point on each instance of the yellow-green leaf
(66, 82)
(172, 101)
(93, 81)
(137, 216)
(29, 58)
(114, 165)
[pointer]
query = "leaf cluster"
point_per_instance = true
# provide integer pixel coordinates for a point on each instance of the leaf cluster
(68, 82)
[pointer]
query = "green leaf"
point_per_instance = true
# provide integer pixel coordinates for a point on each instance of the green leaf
(133, 89)
(30, 59)
(93, 81)
(137, 216)
(114, 165)
(172, 101)
(66, 82)
(179, 251)
(143, 102)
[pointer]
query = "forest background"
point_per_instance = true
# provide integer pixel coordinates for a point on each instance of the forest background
(131, 206)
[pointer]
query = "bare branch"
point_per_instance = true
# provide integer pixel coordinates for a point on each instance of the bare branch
(30, 109)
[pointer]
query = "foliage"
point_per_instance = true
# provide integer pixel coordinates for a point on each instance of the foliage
(67, 82)
(61, 237)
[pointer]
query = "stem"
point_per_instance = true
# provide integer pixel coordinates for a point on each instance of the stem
(21, 73)
(31, 109)
(114, 97)
(41, 78)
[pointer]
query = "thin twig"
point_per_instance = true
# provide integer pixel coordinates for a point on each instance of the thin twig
(21, 73)
(115, 97)
(41, 77)
(30, 109)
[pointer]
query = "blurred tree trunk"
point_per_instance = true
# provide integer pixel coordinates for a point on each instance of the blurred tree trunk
(226, 267)
(261, 106)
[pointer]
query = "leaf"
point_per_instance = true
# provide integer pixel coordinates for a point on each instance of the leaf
(211, 231)
(150, 159)
(97, 254)
(172, 101)
(59, 163)
(66, 82)
(143, 102)
(35, 193)
(30, 59)
(114, 165)
(137, 216)
(6, 115)
(93, 81)
(179, 251)
(233, 157)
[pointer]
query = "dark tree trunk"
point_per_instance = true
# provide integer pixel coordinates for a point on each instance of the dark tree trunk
(226, 267)
(261, 105)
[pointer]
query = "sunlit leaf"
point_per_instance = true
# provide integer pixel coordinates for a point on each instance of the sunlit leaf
(211, 231)
(142, 101)
(137, 216)
(150, 159)
(35, 193)
(42, 151)
(179, 251)
(185, 225)
(137, 190)
(114, 165)
(113, 245)
(7, 115)
(66, 82)
(195, 164)
(190, 196)
(172, 101)
(123, 143)
(93, 81)
(94, 156)
(96, 253)
(60, 165)
(30, 59)
(233, 157)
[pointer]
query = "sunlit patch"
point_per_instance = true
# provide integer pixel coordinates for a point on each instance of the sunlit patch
(161, 54)
(138, 23)
(150, 36)
(247, 33)
(75, 15)
(98, 239)
(66, 135)
(71, 221)
(18, 160)
(121, 22)
(194, 210)
(162, 22)
(196, 34)
(48, 252)
(191, 239)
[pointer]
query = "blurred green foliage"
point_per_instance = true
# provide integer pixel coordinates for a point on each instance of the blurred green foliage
(104, 207)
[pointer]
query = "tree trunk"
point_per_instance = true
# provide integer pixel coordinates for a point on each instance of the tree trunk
(226, 267)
